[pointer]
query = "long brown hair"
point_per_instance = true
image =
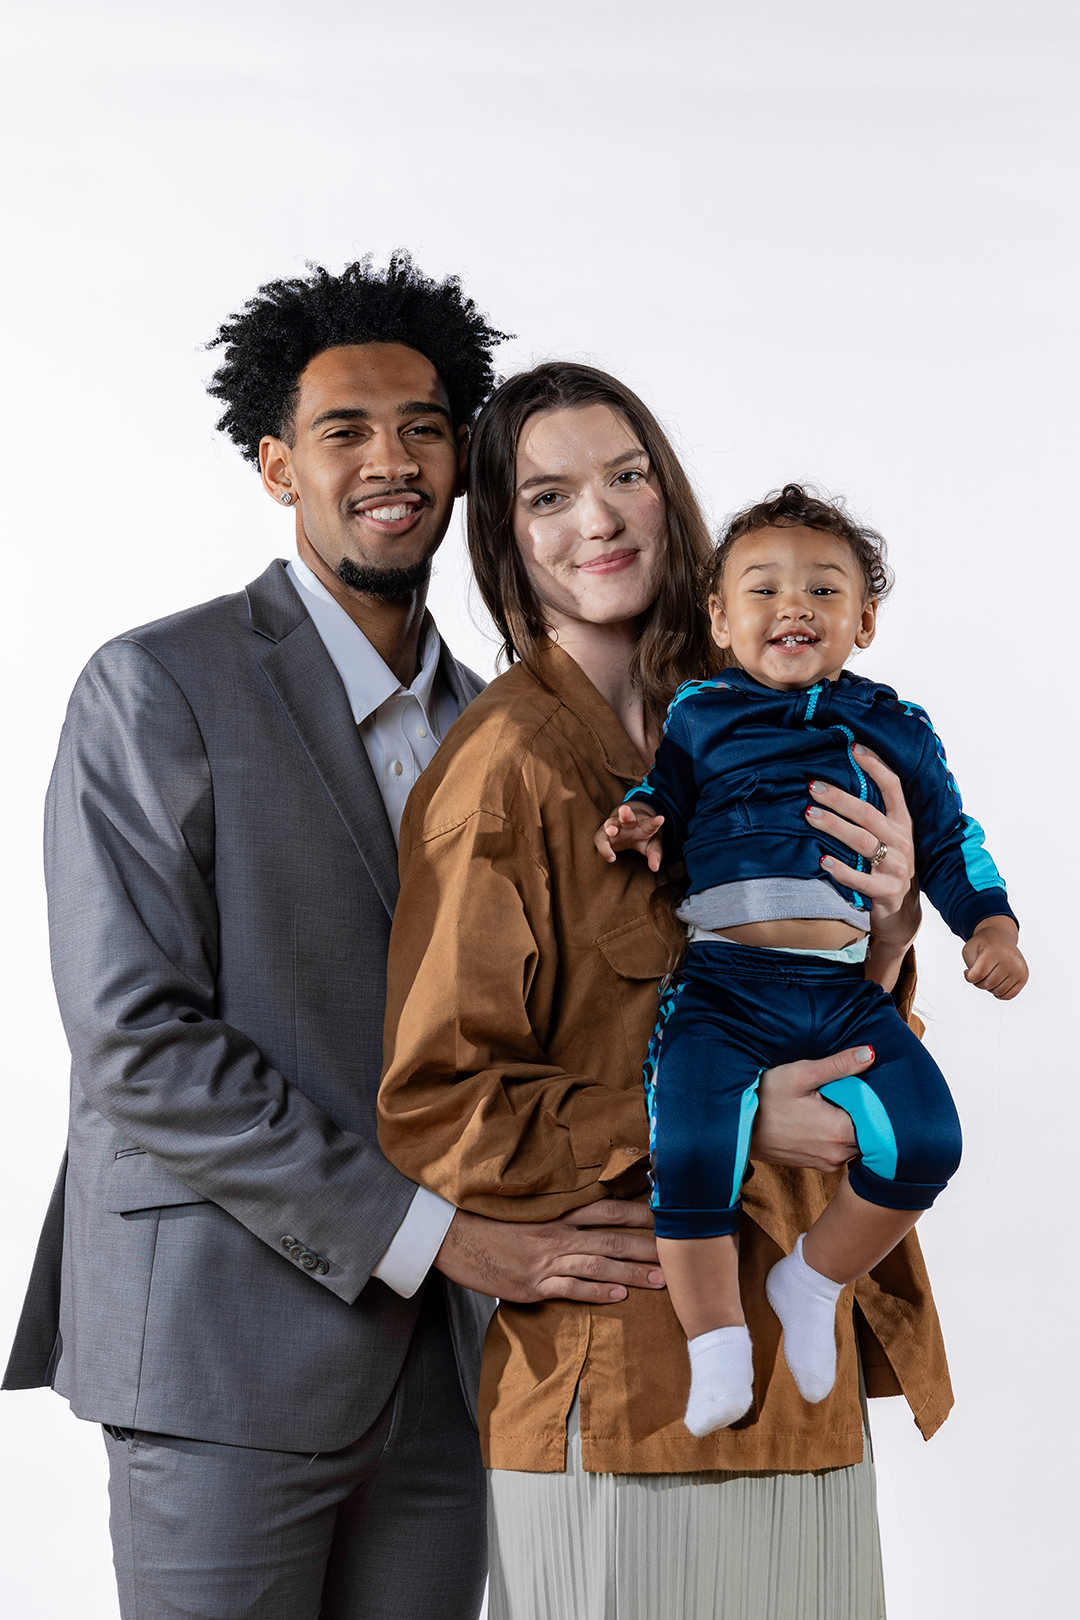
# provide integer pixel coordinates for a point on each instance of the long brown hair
(675, 644)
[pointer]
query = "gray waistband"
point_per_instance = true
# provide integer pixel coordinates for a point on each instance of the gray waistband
(770, 899)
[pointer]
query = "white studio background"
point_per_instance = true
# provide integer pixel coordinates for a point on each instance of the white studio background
(830, 240)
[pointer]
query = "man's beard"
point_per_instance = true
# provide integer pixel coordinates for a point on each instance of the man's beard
(385, 584)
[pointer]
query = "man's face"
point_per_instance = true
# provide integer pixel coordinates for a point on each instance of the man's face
(373, 468)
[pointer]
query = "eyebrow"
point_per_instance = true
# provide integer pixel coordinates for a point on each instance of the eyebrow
(559, 478)
(357, 413)
(815, 567)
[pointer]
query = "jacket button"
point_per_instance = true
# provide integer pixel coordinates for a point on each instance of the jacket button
(322, 1268)
(288, 1241)
(308, 1260)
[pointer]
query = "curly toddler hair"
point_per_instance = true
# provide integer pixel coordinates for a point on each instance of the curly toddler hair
(797, 504)
(288, 323)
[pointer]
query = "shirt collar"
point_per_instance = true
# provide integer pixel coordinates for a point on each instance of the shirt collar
(367, 679)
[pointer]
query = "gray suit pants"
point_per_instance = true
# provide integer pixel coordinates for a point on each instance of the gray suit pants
(391, 1527)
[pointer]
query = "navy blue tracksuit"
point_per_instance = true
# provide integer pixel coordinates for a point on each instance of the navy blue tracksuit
(731, 779)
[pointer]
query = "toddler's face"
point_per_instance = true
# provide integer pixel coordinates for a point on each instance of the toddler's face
(793, 605)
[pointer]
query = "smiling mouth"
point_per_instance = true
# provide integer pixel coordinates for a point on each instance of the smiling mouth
(608, 561)
(391, 513)
(794, 641)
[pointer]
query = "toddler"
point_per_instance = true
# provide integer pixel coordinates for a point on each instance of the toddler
(775, 969)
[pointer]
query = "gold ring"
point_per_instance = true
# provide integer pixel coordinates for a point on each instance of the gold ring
(879, 855)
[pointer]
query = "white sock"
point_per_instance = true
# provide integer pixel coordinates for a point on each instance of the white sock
(805, 1302)
(721, 1379)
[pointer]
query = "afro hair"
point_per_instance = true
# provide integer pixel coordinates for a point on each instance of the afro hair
(288, 323)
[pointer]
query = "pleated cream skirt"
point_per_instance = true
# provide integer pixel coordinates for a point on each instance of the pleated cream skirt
(710, 1546)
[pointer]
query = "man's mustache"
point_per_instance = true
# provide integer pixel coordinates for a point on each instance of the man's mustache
(419, 496)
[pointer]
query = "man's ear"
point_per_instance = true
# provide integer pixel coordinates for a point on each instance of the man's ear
(867, 630)
(718, 619)
(463, 457)
(275, 464)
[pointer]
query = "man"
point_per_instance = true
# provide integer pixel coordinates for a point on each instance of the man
(232, 1280)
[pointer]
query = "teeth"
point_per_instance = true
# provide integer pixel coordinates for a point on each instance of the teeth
(389, 514)
(794, 641)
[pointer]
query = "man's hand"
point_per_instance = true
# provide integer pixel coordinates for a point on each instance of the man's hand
(993, 958)
(796, 1126)
(587, 1255)
(632, 826)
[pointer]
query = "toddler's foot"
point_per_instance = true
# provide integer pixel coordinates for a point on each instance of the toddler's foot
(721, 1379)
(805, 1302)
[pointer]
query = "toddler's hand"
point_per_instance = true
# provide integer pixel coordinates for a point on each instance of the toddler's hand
(632, 826)
(993, 959)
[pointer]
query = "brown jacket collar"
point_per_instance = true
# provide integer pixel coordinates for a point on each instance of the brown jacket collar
(568, 682)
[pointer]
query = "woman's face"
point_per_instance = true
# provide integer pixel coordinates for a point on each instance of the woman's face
(588, 516)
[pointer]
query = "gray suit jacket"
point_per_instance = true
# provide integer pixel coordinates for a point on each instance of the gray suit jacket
(221, 881)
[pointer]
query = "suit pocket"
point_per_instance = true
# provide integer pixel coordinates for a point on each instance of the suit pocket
(136, 1180)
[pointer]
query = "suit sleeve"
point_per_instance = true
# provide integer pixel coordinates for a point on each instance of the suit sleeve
(129, 848)
(953, 864)
(671, 785)
(471, 1104)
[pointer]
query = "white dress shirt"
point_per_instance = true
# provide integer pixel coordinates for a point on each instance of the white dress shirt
(400, 727)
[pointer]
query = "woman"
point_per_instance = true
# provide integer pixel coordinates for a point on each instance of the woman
(523, 979)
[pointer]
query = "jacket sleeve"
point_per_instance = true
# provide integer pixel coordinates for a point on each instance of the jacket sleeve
(671, 785)
(953, 865)
(471, 1104)
(129, 849)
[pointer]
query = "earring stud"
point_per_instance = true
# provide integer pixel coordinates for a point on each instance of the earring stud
(286, 498)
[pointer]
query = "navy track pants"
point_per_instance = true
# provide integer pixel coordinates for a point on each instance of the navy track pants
(735, 1011)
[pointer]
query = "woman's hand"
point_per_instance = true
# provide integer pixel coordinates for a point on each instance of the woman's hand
(891, 885)
(794, 1125)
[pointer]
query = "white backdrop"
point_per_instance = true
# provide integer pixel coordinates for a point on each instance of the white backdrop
(831, 240)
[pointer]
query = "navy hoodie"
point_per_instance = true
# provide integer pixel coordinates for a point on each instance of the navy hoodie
(732, 774)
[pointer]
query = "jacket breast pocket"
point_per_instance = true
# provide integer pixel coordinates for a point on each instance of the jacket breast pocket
(136, 1180)
(639, 960)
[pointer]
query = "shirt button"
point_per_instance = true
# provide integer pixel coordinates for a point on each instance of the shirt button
(397, 767)
(421, 731)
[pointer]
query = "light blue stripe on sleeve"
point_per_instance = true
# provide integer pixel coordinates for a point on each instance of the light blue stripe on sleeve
(978, 864)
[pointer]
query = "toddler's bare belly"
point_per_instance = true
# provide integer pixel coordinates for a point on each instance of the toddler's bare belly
(795, 933)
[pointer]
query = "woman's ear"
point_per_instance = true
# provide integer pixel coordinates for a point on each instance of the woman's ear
(718, 619)
(864, 635)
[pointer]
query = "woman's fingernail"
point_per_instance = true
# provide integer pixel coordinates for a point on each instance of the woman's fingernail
(859, 749)
(818, 787)
(813, 810)
(656, 1277)
(864, 1054)
(826, 860)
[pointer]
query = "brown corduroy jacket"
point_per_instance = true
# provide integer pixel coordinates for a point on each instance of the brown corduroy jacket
(522, 993)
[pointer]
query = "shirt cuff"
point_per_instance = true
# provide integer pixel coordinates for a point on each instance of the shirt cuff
(415, 1243)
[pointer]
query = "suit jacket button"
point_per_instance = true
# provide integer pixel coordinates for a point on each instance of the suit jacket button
(322, 1268)
(288, 1241)
(308, 1260)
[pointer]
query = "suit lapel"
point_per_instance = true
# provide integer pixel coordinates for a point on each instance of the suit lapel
(303, 675)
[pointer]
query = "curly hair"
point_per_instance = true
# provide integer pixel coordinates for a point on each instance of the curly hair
(288, 323)
(797, 504)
